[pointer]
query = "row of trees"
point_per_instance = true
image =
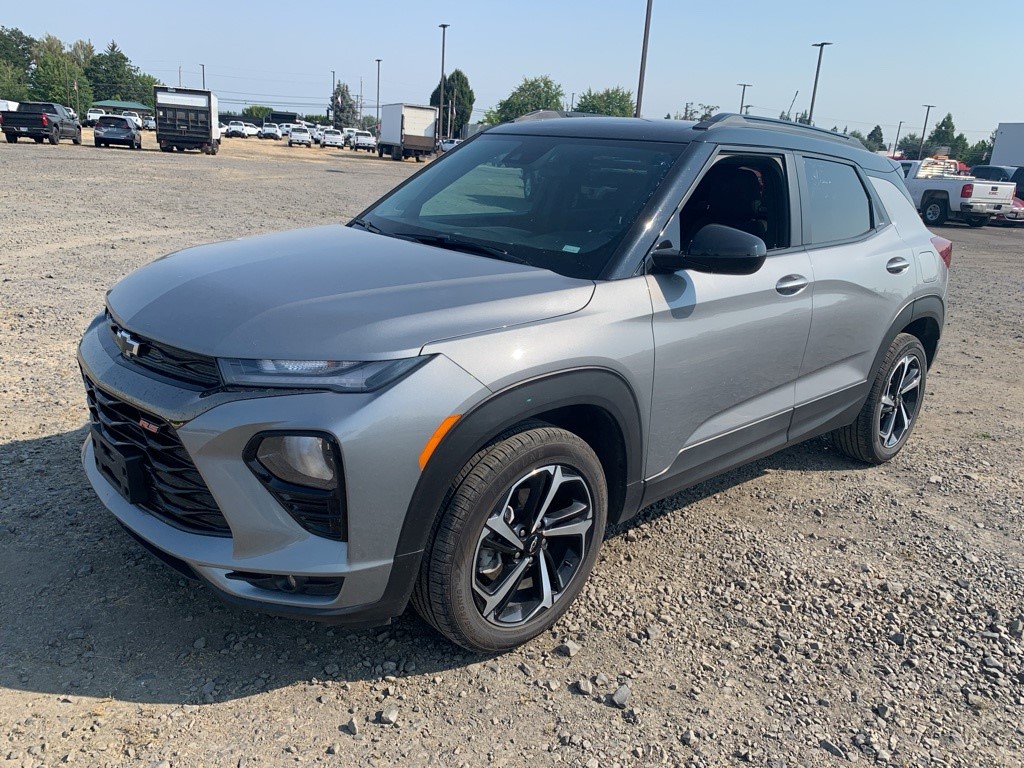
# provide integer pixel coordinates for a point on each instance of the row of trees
(48, 69)
(943, 139)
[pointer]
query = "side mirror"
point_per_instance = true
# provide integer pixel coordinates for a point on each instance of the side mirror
(716, 249)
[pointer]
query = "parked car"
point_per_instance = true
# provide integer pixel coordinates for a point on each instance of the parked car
(149, 123)
(1013, 217)
(1001, 173)
(300, 135)
(117, 129)
(134, 117)
(286, 128)
(270, 131)
(348, 133)
(940, 194)
(222, 128)
(251, 130)
(363, 140)
(92, 115)
(447, 144)
(236, 128)
(332, 137)
(557, 325)
(315, 132)
(40, 121)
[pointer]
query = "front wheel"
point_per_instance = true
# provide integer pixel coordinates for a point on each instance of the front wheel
(894, 402)
(516, 540)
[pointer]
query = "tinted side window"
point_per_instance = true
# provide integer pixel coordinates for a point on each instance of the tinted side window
(837, 206)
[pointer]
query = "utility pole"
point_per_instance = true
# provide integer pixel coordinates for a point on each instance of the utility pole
(440, 98)
(896, 144)
(204, 75)
(179, 75)
(360, 102)
(643, 60)
(743, 94)
(331, 109)
(814, 93)
(572, 102)
(377, 127)
(920, 149)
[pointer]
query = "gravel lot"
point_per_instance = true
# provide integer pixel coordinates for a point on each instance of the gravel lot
(801, 611)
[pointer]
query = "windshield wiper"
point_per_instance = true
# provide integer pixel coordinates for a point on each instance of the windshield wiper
(368, 226)
(456, 243)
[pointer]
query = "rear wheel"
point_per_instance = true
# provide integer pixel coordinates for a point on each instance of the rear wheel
(516, 540)
(54, 136)
(894, 402)
(78, 137)
(978, 220)
(396, 153)
(935, 212)
(38, 139)
(96, 142)
(12, 138)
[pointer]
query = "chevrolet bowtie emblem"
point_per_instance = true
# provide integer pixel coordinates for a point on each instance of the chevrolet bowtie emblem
(127, 343)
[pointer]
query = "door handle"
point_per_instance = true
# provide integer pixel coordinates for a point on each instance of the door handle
(791, 284)
(897, 265)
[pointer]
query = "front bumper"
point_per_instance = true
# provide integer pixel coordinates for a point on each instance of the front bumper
(380, 434)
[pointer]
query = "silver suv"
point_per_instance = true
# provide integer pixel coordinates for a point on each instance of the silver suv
(446, 401)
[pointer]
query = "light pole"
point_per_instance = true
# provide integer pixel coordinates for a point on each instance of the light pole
(743, 94)
(332, 107)
(927, 110)
(378, 98)
(896, 144)
(643, 60)
(440, 99)
(814, 93)
(204, 75)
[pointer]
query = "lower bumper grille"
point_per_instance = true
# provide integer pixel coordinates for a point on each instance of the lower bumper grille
(173, 490)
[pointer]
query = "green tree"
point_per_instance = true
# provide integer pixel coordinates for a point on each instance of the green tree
(530, 95)
(909, 146)
(16, 51)
(344, 113)
(143, 88)
(13, 83)
(978, 153)
(257, 112)
(112, 75)
(616, 101)
(54, 78)
(859, 137)
(876, 141)
(458, 92)
(81, 52)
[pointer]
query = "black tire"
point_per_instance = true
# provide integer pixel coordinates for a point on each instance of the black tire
(935, 212)
(38, 139)
(96, 142)
(77, 137)
(448, 591)
(54, 136)
(12, 138)
(978, 220)
(396, 153)
(289, 143)
(865, 439)
(138, 144)
(380, 152)
(166, 149)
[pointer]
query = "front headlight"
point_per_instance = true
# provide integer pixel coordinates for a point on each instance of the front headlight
(339, 375)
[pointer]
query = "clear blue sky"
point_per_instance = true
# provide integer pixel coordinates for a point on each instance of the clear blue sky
(887, 59)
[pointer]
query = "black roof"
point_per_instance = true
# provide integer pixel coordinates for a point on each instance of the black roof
(733, 129)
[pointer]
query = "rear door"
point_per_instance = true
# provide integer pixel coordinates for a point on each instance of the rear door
(864, 273)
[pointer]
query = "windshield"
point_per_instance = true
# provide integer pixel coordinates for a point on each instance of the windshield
(560, 203)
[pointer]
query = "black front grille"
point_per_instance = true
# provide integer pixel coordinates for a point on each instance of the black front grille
(187, 367)
(175, 491)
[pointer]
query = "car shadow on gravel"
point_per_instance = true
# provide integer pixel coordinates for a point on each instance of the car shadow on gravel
(87, 612)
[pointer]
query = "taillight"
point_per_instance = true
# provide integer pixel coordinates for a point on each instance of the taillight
(967, 190)
(46, 120)
(944, 247)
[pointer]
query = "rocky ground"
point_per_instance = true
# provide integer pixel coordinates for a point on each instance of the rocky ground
(802, 611)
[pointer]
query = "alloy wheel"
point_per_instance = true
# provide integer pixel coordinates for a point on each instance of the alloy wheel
(900, 401)
(532, 545)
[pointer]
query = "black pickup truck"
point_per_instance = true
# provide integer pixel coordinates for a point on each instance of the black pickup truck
(42, 121)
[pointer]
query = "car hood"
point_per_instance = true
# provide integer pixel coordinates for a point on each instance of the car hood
(332, 293)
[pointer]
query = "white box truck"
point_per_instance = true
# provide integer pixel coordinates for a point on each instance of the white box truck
(407, 130)
(1009, 146)
(186, 118)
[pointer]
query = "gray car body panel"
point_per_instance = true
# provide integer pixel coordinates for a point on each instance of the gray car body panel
(332, 292)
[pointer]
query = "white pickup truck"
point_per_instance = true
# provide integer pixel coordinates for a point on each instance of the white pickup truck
(941, 195)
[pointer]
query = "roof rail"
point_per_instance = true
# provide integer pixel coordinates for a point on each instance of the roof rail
(733, 120)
